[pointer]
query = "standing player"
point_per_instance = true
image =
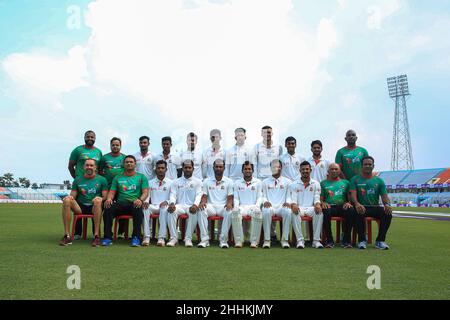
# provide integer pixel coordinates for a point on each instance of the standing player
(212, 153)
(349, 157)
(265, 152)
(193, 154)
(185, 196)
(335, 203)
(319, 165)
(248, 197)
(237, 155)
(131, 188)
(88, 192)
(366, 190)
(172, 160)
(159, 189)
(305, 197)
(76, 162)
(111, 164)
(217, 199)
(290, 160)
(276, 202)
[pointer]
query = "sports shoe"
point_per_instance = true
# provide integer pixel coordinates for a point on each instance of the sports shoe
(76, 237)
(274, 238)
(317, 245)
(362, 245)
(329, 245)
(266, 244)
(300, 244)
(188, 243)
(203, 244)
(238, 245)
(253, 245)
(161, 243)
(65, 241)
(120, 236)
(135, 242)
(381, 245)
(223, 245)
(285, 245)
(146, 242)
(172, 243)
(96, 241)
(106, 242)
(346, 245)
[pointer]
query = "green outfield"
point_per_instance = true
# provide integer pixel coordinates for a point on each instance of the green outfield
(34, 265)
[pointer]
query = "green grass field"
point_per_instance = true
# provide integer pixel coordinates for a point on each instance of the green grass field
(34, 266)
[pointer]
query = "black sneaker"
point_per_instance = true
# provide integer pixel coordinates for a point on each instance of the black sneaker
(274, 239)
(329, 245)
(65, 241)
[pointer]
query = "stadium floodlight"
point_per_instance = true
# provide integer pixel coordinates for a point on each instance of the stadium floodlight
(401, 141)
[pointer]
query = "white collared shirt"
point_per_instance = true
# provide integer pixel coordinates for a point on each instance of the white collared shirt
(248, 193)
(186, 191)
(319, 171)
(218, 191)
(291, 166)
(197, 157)
(305, 195)
(264, 157)
(275, 191)
(173, 164)
(145, 164)
(209, 156)
(235, 158)
(159, 190)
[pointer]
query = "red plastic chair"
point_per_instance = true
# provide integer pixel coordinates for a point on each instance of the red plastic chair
(182, 221)
(85, 218)
(368, 222)
(125, 217)
(274, 219)
(338, 220)
(309, 221)
(154, 217)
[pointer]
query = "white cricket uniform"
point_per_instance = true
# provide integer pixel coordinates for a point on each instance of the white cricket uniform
(264, 157)
(319, 171)
(145, 164)
(276, 191)
(209, 156)
(173, 164)
(159, 192)
(197, 157)
(291, 166)
(306, 196)
(235, 158)
(217, 193)
(248, 198)
(184, 193)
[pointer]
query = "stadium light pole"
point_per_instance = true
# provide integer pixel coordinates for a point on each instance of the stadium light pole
(401, 158)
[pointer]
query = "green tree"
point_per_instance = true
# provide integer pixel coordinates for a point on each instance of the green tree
(24, 182)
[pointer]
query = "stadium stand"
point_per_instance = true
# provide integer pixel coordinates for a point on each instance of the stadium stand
(393, 177)
(421, 176)
(444, 177)
(32, 195)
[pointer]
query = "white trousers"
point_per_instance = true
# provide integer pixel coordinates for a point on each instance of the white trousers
(284, 213)
(317, 223)
(172, 221)
(255, 226)
(212, 210)
(154, 209)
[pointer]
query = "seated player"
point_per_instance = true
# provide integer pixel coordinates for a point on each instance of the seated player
(88, 192)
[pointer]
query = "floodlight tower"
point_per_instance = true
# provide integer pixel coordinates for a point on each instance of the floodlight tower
(401, 158)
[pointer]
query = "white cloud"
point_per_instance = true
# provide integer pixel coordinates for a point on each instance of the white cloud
(326, 37)
(379, 12)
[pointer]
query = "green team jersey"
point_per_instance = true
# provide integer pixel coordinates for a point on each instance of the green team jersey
(80, 154)
(368, 190)
(112, 166)
(89, 188)
(335, 192)
(350, 160)
(129, 188)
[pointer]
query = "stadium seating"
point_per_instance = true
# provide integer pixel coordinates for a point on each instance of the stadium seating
(393, 177)
(420, 176)
(443, 177)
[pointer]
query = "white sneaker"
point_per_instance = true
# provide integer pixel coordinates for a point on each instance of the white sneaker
(203, 244)
(285, 245)
(172, 243)
(254, 245)
(161, 243)
(146, 242)
(188, 243)
(238, 245)
(223, 245)
(301, 244)
(266, 245)
(317, 245)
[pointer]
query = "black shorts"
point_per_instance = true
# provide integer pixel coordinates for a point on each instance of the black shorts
(85, 209)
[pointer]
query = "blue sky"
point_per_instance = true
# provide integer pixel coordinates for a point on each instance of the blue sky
(310, 69)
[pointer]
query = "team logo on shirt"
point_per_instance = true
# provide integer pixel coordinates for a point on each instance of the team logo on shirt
(253, 189)
(191, 186)
(297, 163)
(311, 189)
(92, 191)
(222, 188)
(330, 193)
(281, 187)
(363, 192)
(83, 191)
(165, 189)
(371, 191)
